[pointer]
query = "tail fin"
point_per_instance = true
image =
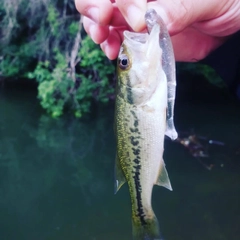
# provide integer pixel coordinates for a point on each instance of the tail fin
(146, 229)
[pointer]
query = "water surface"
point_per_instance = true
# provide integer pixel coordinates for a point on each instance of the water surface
(56, 176)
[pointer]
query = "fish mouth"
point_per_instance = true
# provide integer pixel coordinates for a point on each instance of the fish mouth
(141, 41)
(133, 37)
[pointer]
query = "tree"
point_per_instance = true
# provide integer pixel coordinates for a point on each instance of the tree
(44, 40)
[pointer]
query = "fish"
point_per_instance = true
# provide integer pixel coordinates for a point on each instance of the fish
(144, 106)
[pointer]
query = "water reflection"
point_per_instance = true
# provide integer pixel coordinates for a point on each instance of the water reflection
(56, 177)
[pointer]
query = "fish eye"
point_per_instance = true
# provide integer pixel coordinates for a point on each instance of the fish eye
(123, 62)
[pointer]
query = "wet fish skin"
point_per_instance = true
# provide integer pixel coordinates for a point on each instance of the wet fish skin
(140, 126)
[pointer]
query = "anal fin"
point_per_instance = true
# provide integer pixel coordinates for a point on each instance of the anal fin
(119, 176)
(163, 179)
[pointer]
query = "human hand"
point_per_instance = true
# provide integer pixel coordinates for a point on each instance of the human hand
(196, 27)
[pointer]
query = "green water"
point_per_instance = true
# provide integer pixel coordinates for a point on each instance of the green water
(56, 176)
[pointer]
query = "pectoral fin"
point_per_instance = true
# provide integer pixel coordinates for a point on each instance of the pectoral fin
(163, 179)
(119, 176)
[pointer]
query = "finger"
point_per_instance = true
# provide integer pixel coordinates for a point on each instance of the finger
(118, 20)
(97, 32)
(174, 13)
(179, 14)
(191, 45)
(112, 44)
(224, 25)
(133, 11)
(98, 11)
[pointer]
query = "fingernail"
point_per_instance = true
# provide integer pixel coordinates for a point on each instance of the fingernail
(107, 50)
(91, 32)
(104, 47)
(93, 13)
(135, 18)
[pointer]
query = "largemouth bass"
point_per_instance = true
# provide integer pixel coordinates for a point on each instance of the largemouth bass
(143, 115)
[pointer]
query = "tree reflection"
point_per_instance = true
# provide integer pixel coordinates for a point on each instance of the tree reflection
(48, 162)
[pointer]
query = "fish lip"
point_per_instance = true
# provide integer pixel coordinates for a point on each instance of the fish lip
(135, 38)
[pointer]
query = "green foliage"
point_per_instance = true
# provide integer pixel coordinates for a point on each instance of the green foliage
(44, 41)
(57, 91)
(98, 68)
(52, 19)
(73, 28)
(53, 84)
(201, 69)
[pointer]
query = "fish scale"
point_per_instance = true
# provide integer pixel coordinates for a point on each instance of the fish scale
(134, 150)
